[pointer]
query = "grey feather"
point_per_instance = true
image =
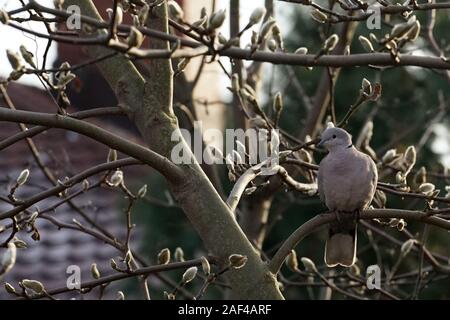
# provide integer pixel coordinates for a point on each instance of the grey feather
(347, 181)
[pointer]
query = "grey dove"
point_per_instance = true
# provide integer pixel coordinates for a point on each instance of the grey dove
(347, 181)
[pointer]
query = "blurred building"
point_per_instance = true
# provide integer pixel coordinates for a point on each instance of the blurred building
(67, 153)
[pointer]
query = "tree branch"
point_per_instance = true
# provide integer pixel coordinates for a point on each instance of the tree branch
(323, 219)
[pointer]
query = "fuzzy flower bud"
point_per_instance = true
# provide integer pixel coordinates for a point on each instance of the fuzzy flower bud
(23, 177)
(117, 178)
(292, 261)
(308, 264)
(367, 45)
(257, 15)
(206, 266)
(189, 275)
(164, 256)
(217, 19)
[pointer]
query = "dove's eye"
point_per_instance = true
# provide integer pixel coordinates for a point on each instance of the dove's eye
(334, 136)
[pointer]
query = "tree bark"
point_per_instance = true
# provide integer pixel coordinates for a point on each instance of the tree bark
(148, 102)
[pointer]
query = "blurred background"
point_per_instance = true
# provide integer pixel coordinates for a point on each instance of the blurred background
(413, 110)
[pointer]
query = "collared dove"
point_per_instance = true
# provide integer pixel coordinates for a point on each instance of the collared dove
(347, 181)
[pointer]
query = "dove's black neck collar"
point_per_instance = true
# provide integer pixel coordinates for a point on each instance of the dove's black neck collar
(350, 146)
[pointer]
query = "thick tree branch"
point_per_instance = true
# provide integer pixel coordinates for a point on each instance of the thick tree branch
(323, 219)
(147, 156)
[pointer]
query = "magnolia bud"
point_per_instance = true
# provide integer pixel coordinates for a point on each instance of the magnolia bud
(94, 271)
(222, 39)
(266, 28)
(426, 188)
(142, 192)
(189, 275)
(175, 11)
(27, 56)
(20, 244)
(420, 176)
(257, 15)
(400, 177)
(367, 45)
(217, 19)
(120, 295)
(331, 43)
(319, 16)
(78, 223)
(85, 185)
(249, 191)
(113, 264)
(347, 50)
(164, 256)
(410, 158)
(117, 178)
(14, 59)
(15, 75)
(179, 254)
(34, 285)
(272, 45)
(206, 266)
(389, 156)
(373, 37)
(292, 261)
(366, 86)
(308, 264)
(237, 261)
(23, 177)
(4, 17)
(278, 102)
(276, 33)
(406, 247)
(301, 50)
(9, 288)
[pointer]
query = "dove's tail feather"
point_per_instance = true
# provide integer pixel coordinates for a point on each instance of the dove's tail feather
(340, 248)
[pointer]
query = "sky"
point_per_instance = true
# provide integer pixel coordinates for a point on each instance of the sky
(13, 39)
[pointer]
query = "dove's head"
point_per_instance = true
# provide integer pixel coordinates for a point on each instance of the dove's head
(335, 138)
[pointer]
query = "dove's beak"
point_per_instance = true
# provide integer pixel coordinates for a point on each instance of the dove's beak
(320, 143)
